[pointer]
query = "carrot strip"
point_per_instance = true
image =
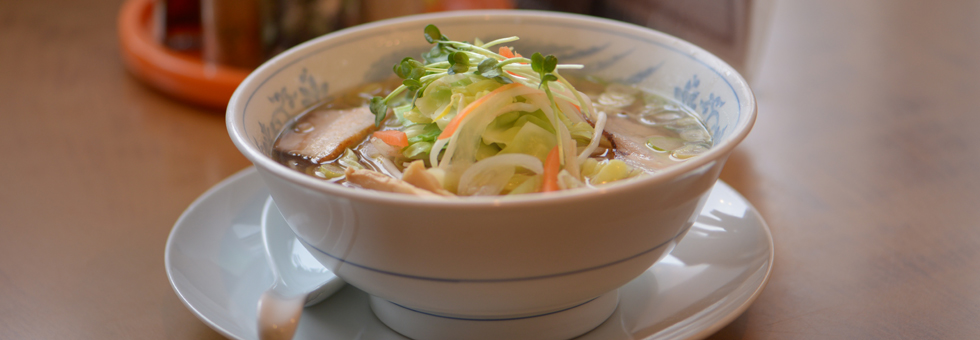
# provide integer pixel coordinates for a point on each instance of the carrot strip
(506, 52)
(393, 137)
(551, 167)
(454, 124)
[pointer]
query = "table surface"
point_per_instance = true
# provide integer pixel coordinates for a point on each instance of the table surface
(864, 161)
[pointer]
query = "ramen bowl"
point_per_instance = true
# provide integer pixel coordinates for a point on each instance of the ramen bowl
(537, 266)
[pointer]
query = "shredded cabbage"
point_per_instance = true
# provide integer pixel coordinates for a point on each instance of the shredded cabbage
(608, 171)
(526, 186)
(532, 140)
(463, 144)
(491, 175)
(600, 124)
(495, 138)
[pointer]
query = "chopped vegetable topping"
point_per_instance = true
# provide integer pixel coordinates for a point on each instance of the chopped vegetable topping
(468, 106)
(393, 138)
(466, 120)
(453, 124)
(551, 168)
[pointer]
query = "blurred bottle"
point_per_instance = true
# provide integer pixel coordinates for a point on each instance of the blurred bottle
(232, 32)
(178, 24)
(374, 10)
(288, 23)
(244, 33)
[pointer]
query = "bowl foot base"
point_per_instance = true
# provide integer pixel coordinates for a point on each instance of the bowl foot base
(557, 325)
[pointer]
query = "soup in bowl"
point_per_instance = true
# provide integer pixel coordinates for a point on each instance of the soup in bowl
(480, 262)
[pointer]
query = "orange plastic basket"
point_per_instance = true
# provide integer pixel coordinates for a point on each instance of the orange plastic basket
(180, 75)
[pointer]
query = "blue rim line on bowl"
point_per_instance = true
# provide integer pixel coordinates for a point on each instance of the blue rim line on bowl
(528, 278)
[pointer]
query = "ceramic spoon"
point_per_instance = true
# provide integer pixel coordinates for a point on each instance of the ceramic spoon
(299, 279)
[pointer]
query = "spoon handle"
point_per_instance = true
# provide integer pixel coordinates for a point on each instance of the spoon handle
(278, 315)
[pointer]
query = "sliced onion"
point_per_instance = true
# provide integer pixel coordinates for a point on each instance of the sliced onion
(434, 152)
(381, 148)
(571, 162)
(588, 103)
(373, 153)
(567, 181)
(388, 166)
(600, 124)
(490, 175)
(564, 137)
(472, 126)
(515, 107)
(574, 115)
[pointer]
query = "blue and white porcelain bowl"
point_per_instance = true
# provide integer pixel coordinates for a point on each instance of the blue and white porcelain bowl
(536, 266)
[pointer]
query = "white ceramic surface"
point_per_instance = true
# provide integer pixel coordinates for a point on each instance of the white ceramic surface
(216, 264)
(300, 280)
(492, 257)
(559, 325)
(288, 258)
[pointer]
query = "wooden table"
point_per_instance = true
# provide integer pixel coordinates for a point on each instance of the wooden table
(865, 161)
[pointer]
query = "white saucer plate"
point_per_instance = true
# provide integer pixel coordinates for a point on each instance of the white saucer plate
(216, 264)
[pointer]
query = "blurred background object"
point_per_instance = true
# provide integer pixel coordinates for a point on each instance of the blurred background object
(216, 43)
(734, 30)
(179, 24)
(232, 32)
(176, 71)
(291, 22)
